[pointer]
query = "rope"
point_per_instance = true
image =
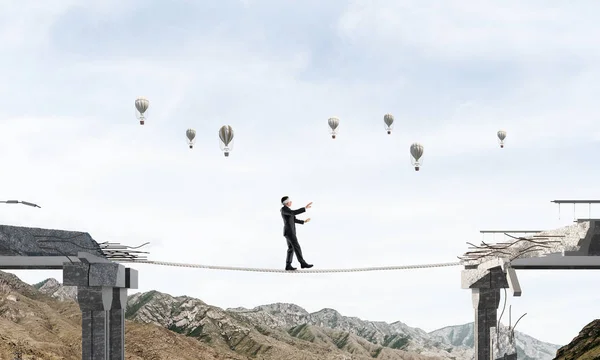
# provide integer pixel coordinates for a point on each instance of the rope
(233, 268)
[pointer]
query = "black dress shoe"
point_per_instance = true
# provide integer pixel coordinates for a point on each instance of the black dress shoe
(290, 267)
(306, 266)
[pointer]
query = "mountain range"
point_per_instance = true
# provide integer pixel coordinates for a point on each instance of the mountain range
(287, 331)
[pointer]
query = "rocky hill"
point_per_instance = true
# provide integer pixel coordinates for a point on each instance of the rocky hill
(56, 290)
(586, 346)
(42, 327)
(272, 329)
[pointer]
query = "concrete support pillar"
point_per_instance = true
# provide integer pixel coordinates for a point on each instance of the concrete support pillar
(117, 324)
(485, 282)
(485, 302)
(102, 296)
(95, 303)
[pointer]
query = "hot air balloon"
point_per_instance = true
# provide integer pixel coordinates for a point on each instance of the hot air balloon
(226, 136)
(333, 124)
(416, 151)
(190, 134)
(501, 137)
(141, 105)
(388, 119)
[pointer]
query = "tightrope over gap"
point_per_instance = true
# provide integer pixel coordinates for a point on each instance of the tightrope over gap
(299, 271)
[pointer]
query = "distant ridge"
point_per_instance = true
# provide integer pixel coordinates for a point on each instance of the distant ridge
(283, 329)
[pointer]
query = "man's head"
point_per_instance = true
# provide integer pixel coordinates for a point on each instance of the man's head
(286, 201)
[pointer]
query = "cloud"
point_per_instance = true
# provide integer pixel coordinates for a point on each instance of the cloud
(462, 31)
(27, 24)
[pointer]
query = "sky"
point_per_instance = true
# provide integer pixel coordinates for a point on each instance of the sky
(452, 73)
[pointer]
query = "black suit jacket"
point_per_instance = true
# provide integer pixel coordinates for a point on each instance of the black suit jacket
(290, 221)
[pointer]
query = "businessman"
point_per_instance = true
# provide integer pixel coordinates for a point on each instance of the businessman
(289, 232)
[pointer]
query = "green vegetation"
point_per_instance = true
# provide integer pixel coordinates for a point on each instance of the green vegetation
(302, 332)
(396, 341)
(144, 299)
(342, 341)
(197, 331)
(177, 329)
(40, 284)
(367, 334)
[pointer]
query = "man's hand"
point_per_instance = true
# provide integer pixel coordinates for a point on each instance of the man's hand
(307, 220)
(309, 205)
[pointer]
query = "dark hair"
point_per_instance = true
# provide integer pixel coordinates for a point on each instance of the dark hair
(284, 199)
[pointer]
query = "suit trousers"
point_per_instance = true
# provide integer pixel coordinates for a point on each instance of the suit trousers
(293, 247)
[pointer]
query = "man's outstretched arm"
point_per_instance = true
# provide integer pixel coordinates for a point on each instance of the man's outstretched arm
(287, 211)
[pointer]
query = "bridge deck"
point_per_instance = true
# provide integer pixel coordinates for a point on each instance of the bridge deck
(557, 262)
(35, 262)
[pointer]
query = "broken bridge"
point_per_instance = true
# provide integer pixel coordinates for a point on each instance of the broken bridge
(101, 283)
(491, 267)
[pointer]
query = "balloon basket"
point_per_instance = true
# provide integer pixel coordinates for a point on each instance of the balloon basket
(389, 132)
(501, 146)
(141, 122)
(333, 136)
(191, 146)
(416, 168)
(226, 154)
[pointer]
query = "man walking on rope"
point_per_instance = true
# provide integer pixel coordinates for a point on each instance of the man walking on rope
(289, 232)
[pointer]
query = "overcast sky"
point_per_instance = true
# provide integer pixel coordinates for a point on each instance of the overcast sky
(452, 73)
